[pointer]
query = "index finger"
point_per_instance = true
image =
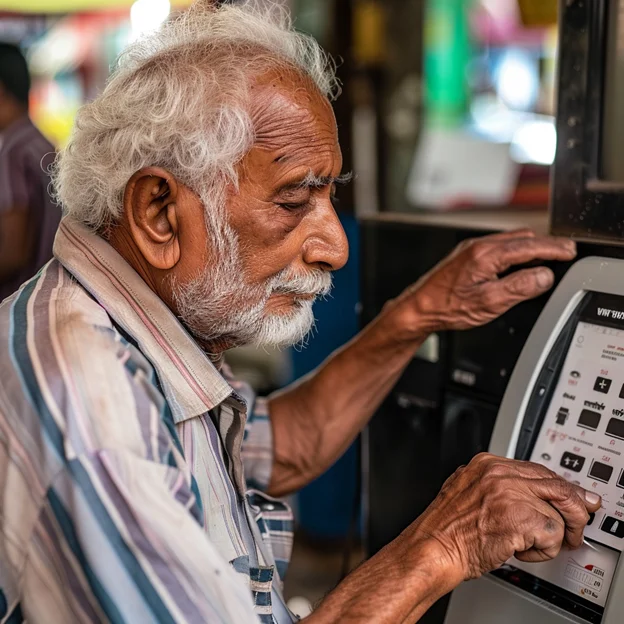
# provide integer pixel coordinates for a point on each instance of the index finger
(522, 250)
(573, 503)
(510, 234)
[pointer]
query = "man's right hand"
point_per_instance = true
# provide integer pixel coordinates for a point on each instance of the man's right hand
(495, 508)
(486, 512)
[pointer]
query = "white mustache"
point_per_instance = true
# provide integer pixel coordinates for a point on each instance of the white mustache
(316, 283)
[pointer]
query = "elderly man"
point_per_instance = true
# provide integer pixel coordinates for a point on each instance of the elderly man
(198, 197)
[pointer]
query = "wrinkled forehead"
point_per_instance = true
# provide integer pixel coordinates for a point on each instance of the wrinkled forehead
(291, 116)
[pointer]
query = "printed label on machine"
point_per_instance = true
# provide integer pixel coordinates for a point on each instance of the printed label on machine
(587, 572)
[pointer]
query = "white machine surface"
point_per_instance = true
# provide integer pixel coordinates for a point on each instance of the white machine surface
(564, 408)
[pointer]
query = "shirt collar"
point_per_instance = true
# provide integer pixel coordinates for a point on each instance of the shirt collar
(191, 382)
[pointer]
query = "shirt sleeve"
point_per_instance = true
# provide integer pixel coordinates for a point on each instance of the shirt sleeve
(119, 532)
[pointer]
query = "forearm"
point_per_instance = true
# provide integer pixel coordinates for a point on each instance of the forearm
(397, 585)
(315, 420)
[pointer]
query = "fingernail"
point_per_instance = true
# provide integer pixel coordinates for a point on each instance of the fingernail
(571, 245)
(544, 278)
(591, 498)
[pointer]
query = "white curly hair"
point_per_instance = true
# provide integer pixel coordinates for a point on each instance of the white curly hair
(179, 99)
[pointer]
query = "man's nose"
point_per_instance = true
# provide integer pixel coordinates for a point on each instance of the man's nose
(327, 245)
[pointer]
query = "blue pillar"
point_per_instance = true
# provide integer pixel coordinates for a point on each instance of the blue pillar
(326, 505)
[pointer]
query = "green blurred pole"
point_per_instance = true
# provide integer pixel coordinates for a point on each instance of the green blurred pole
(447, 54)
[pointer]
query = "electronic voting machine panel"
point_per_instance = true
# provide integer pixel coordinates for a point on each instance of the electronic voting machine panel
(564, 408)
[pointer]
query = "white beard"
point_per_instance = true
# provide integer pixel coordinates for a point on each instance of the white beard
(221, 305)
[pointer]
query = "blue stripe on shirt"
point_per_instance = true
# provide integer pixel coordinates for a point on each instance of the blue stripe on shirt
(69, 532)
(23, 364)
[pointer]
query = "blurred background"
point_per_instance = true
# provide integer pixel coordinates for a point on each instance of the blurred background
(447, 109)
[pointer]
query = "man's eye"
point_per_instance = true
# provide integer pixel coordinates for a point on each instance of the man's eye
(294, 207)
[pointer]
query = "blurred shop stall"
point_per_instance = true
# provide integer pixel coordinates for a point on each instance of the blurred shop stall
(71, 45)
(454, 103)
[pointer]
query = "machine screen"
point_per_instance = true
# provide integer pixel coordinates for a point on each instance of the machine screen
(580, 436)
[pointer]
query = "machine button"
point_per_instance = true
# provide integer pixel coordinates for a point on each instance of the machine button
(600, 472)
(613, 526)
(572, 462)
(562, 415)
(602, 385)
(615, 428)
(592, 517)
(589, 419)
(620, 482)
(622, 392)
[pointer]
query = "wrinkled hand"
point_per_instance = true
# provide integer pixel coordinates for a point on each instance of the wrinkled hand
(495, 508)
(464, 290)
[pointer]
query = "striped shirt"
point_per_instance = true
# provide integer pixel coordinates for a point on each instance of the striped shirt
(131, 470)
(25, 155)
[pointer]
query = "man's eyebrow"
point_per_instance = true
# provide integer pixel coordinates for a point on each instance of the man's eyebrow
(313, 181)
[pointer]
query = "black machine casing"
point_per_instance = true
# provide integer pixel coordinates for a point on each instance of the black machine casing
(586, 204)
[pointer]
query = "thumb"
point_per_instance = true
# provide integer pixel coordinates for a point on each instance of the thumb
(592, 501)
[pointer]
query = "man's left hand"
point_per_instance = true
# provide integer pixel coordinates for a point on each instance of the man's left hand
(465, 289)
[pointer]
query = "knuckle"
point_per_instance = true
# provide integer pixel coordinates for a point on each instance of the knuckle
(478, 249)
(522, 283)
(497, 469)
(540, 470)
(492, 296)
(563, 490)
(519, 518)
(481, 458)
(518, 244)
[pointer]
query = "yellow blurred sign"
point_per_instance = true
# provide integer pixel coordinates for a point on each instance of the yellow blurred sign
(69, 6)
(369, 32)
(539, 12)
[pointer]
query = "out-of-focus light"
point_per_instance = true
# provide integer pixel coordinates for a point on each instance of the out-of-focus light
(517, 81)
(535, 142)
(147, 15)
(57, 51)
(494, 121)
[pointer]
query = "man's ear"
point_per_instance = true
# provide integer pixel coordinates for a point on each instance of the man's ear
(149, 205)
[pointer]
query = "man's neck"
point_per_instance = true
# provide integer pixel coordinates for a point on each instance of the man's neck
(214, 349)
(122, 243)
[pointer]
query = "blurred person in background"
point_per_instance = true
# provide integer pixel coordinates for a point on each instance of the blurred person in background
(138, 480)
(28, 216)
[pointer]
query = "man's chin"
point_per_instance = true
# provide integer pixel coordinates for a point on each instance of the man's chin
(287, 328)
(263, 327)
